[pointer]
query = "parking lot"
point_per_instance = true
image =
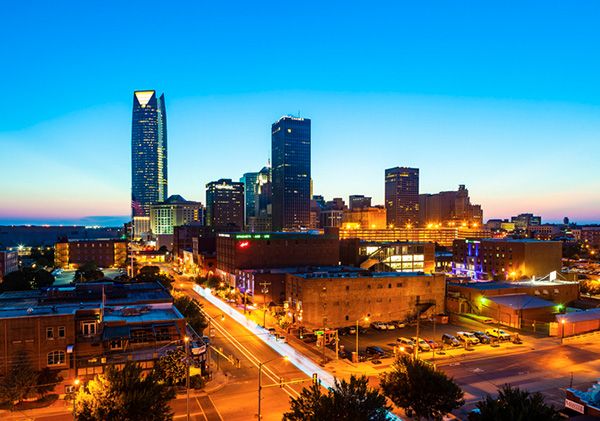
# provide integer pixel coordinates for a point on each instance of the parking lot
(386, 339)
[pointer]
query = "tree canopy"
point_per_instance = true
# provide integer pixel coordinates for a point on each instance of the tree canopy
(88, 272)
(353, 400)
(190, 309)
(124, 395)
(26, 279)
(421, 390)
(171, 367)
(514, 404)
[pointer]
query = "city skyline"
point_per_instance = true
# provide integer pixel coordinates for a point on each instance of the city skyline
(485, 108)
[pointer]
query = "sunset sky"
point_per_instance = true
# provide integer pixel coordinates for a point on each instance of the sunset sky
(503, 99)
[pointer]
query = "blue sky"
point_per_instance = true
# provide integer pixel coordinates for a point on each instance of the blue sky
(501, 97)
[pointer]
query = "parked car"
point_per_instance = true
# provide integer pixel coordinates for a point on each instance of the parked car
(272, 330)
(398, 324)
(407, 344)
(432, 344)
(309, 338)
(343, 331)
(375, 351)
(467, 337)
(498, 334)
(351, 330)
(483, 338)
(448, 339)
(362, 330)
(390, 326)
(423, 345)
(379, 326)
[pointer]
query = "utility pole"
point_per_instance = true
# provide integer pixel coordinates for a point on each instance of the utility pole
(417, 344)
(264, 290)
(187, 375)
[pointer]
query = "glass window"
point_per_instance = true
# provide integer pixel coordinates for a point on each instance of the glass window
(56, 358)
(61, 332)
(49, 333)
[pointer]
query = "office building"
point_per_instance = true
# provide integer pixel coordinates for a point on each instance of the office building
(249, 180)
(506, 259)
(104, 253)
(365, 218)
(388, 257)
(9, 262)
(225, 203)
(336, 299)
(444, 236)
(524, 220)
(590, 235)
(402, 196)
(358, 201)
(148, 152)
(173, 212)
(449, 208)
(290, 148)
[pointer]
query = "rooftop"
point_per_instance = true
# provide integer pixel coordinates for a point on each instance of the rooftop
(521, 301)
(359, 274)
(492, 285)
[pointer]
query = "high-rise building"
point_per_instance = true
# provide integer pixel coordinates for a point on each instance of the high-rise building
(290, 148)
(402, 196)
(263, 193)
(249, 180)
(173, 212)
(358, 201)
(225, 203)
(148, 152)
(451, 208)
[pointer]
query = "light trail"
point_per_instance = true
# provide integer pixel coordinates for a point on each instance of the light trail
(303, 363)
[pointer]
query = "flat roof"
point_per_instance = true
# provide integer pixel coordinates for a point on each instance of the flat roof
(491, 285)
(359, 274)
(141, 314)
(520, 301)
(579, 316)
(273, 234)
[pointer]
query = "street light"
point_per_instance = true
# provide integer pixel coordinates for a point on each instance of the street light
(186, 340)
(75, 385)
(562, 337)
(366, 319)
(260, 366)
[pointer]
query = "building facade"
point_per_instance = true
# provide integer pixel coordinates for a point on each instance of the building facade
(365, 218)
(173, 212)
(104, 253)
(443, 236)
(249, 180)
(290, 148)
(449, 208)
(506, 259)
(402, 196)
(148, 152)
(237, 252)
(225, 203)
(9, 262)
(388, 257)
(323, 299)
(358, 201)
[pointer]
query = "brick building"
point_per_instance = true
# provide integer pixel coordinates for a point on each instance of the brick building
(506, 259)
(335, 299)
(237, 252)
(80, 330)
(105, 253)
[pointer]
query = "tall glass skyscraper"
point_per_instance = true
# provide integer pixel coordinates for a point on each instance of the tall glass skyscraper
(402, 196)
(290, 149)
(148, 152)
(249, 179)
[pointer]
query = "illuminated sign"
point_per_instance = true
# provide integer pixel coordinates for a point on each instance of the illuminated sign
(252, 236)
(244, 244)
(574, 406)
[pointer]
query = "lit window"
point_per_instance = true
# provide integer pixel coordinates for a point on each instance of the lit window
(56, 358)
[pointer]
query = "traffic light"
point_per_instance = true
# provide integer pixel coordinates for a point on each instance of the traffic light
(315, 378)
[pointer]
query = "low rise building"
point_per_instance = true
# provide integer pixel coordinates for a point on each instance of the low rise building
(240, 251)
(506, 259)
(401, 256)
(335, 299)
(104, 253)
(80, 330)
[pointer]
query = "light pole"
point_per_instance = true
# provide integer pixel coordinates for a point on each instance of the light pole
(562, 336)
(366, 319)
(75, 386)
(260, 366)
(186, 340)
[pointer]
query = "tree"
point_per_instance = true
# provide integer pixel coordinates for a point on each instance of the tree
(353, 400)
(27, 279)
(514, 404)
(152, 274)
(190, 309)
(88, 272)
(47, 380)
(421, 390)
(124, 395)
(171, 367)
(21, 380)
